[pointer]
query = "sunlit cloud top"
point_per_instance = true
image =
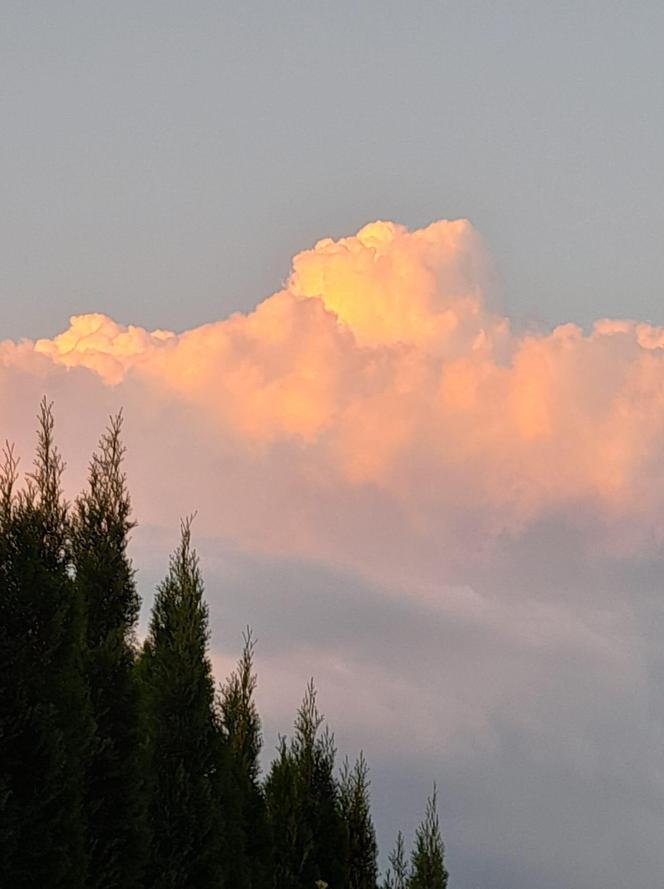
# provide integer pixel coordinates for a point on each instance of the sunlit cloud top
(384, 367)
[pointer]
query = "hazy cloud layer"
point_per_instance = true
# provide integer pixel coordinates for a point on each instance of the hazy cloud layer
(456, 523)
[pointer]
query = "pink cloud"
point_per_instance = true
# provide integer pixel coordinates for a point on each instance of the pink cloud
(374, 404)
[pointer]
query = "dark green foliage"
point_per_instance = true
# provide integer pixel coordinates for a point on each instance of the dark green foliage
(123, 772)
(105, 579)
(428, 857)
(185, 747)
(248, 834)
(361, 851)
(303, 805)
(45, 725)
(314, 756)
(282, 798)
(397, 874)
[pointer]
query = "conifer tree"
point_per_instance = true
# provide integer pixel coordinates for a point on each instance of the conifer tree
(105, 579)
(282, 801)
(428, 857)
(248, 861)
(303, 804)
(397, 873)
(45, 724)
(183, 737)
(361, 851)
(315, 753)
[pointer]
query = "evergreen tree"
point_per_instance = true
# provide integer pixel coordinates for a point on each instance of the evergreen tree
(303, 805)
(428, 857)
(315, 753)
(183, 737)
(397, 874)
(282, 800)
(361, 851)
(248, 864)
(105, 580)
(45, 724)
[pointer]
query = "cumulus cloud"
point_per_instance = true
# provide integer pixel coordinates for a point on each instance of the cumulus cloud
(380, 374)
(403, 485)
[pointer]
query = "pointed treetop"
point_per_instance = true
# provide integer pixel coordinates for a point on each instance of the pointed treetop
(308, 719)
(44, 481)
(108, 481)
(397, 874)
(239, 712)
(8, 479)
(428, 856)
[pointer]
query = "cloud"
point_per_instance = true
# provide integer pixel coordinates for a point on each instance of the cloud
(379, 374)
(455, 521)
(539, 719)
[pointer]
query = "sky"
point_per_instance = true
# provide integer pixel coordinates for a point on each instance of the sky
(378, 287)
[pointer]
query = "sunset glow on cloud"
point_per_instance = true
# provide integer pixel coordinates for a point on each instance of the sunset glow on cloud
(382, 365)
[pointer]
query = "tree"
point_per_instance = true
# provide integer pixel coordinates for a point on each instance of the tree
(361, 852)
(101, 750)
(428, 857)
(182, 734)
(303, 804)
(114, 793)
(397, 874)
(314, 753)
(283, 810)
(45, 723)
(249, 863)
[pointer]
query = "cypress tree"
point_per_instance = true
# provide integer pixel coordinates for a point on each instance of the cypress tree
(315, 753)
(361, 851)
(303, 804)
(45, 724)
(105, 579)
(248, 861)
(183, 736)
(397, 873)
(428, 858)
(282, 800)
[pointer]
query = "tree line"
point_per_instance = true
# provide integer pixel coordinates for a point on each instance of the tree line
(122, 766)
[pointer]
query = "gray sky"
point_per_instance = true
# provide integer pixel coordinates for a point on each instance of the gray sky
(458, 531)
(162, 161)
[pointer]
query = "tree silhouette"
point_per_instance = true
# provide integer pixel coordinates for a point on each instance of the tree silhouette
(428, 857)
(183, 738)
(114, 796)
(45, 724)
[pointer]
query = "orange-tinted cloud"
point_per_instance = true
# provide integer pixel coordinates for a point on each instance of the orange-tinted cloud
(380, 379)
